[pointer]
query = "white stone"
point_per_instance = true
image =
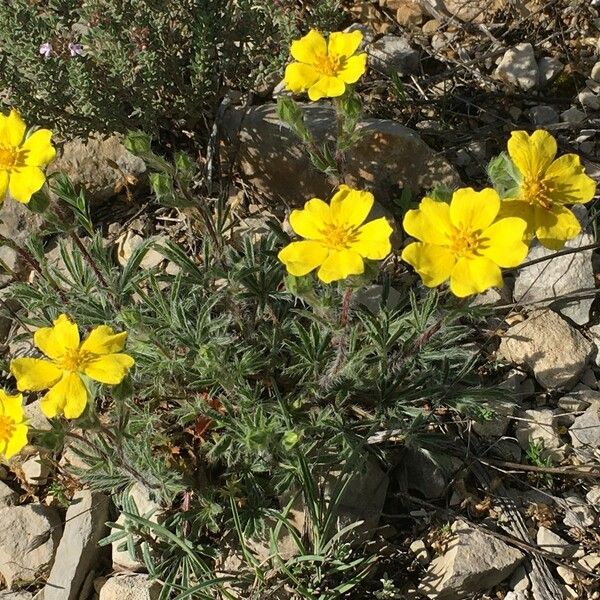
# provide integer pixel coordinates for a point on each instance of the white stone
(35, 470)
(595, 75)
(130, 587)
(585, 433)
(519, 67)
(593, 496)
(551, 542)
(393, 55)
(578, 514)
(419, 549)
(589, 99)
(540, 426)
(496, 427)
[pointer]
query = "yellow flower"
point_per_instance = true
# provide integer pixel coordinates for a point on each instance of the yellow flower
(463, 241)
(22, 160)
(336, 240)
(546, 186)
(324, 68)
(13, 429)
(98, 357)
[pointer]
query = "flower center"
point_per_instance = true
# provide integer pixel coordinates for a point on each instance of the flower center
(7, 428)
(537, 191)
(8, 158)
(74, 360)
(329, 64)
(338, 237)
(465, 244)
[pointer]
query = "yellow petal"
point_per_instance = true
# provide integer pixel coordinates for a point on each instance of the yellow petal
(12, 129)
(3, 184)
(300, 258)
(326, 87)
(24, 182)
(309, 221)
(374, 239)
(504, 243)
(474, 276)
(17, 441)
(110, 369)
(472, 211)
(339, 265)
(353, 69)
(39, 149)
(299, 77)
(350, 208)
(430, 222)
(309, 48)
(568, 182)
(520, 210)
(103, 340)
(532, 155)
(554, 226)
(56, 340)
(69, 397)
(12, 406)
(34, 374)
(344, 43)
(433, 263)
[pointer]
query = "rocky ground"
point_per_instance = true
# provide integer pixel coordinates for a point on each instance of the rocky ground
(517, 514)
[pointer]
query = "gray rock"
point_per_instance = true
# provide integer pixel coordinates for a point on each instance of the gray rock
(29, 536)
(78, 550)
(8, 497)
(595, 75)
(551, 542)
(388, 156)
(576, 402)
(36, 470)
(474, 561)
(585, 433)
(589, 99)
(555, 351)
(573, 116)
(130, 587)
(88, 164)
(519, 67)
(418, 471)
(540, 426)
(550, 279)
(578, 514)
(36, 418)
(391, 54)
(543, 115)
(371, 297)
(519, 581)
(419, 549)
(496, 427)
(20, 595)
(549, 67)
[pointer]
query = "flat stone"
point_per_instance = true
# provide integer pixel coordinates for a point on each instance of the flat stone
(589, 99)
(419, 549)
(555, 351)
(551, 542)
(8, 497)
(550, 279)
(472, 12)
(474, 561)
(543, 115)
(78, 551)
(496, 427)
(29, 536)
(519, 67)
(35, 470)
(540, 426)
(387, 157)
(20, 595)
(130, 587)
(576, 402)
(578, 514)
(573, 116)
(391, 54)
(36, 418)
(585, 433)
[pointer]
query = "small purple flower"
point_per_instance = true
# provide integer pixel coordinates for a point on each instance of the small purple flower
(46, 50)
(75, 49)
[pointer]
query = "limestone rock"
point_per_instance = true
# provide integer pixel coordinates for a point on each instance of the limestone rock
(8, 497)
(555, 351)
(573, 116)
(473, 562)
(519, 67)
(551, 542)
(36, 418)
(559, 276)
(130, 587)
(29, 536)
(540, 426)
(388, 156)
(78, 550)
(543, 115)
(578, 514)
(585, 433)
(496, 427)
(88, 164)
(576, 402)
(392, 54)
(549, 68)
(20, 595)
(35, 470)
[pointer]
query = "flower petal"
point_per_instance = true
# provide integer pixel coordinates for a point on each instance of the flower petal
(300, 258)
(299, 77)
(12, 406)
(17, 441)
(308, 48)
(309, 221)
(344, 43)
(110, 369)
(430, 222)
(103, 340)
(504, 242)
(24, 182)
(4, 177)
(521, 210)
(34, 374)
(554, 226)
(568, 182)
(326, 87)
(39, 149)
(339, 265)
(353, 69)
(349, 207)
(471, 211)
(433, 263)
(69, 397)
(474, 276)
(532, 155)
(374, 239)
(12, 129)
(56, 340)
